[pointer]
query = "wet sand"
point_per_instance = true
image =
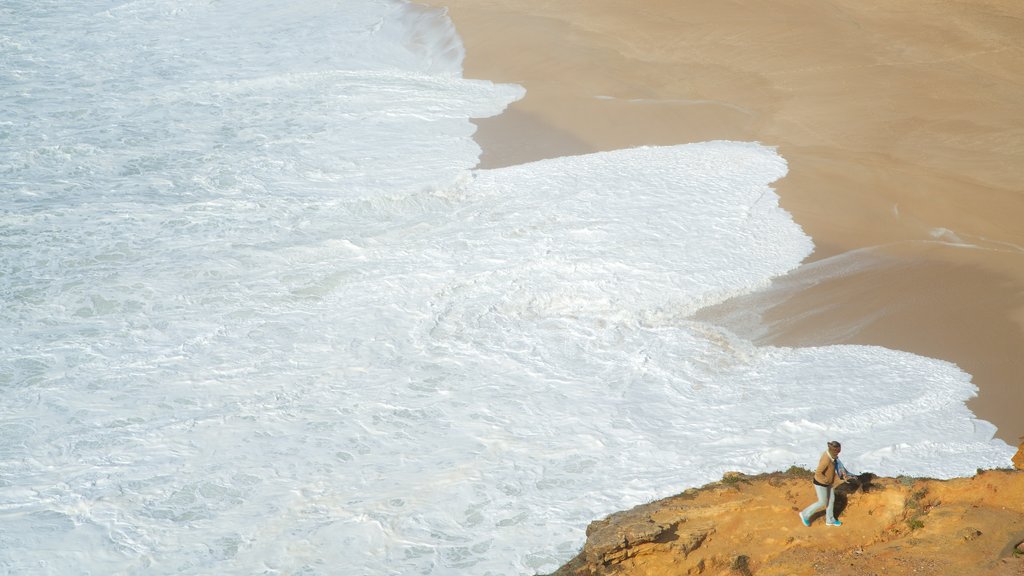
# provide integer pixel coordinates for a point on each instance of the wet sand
(903, 126)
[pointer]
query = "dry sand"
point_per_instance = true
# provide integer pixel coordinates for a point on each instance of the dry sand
(903, 126)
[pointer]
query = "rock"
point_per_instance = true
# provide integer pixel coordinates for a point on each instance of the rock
(723, 530)
(1018, 458)
(625, 539)
(968, 534)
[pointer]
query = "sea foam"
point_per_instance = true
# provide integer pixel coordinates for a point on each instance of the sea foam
(260, 314)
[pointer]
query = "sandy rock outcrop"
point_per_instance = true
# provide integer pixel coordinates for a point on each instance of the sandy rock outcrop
(748, 525)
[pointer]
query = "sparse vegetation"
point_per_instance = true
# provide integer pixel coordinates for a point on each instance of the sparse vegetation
(732, 479)
(914, 506)
(741, 565)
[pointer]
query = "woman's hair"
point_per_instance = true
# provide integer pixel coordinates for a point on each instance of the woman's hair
(834, 444)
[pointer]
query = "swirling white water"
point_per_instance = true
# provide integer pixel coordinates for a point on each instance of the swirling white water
(260, 314)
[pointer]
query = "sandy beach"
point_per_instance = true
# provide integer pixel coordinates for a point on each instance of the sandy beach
(902, 124)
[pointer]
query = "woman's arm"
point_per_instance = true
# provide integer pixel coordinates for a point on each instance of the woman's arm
(823, 466)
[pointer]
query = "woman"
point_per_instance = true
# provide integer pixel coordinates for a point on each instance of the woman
(829, 467)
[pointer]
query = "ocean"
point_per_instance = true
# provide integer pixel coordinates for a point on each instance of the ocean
(261, 315)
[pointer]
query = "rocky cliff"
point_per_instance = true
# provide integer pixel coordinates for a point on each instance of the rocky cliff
(748, 525)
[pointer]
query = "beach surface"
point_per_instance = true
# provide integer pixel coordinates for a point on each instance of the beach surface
(902, 126)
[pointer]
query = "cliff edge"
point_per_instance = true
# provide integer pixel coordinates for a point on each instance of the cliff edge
(748, 525)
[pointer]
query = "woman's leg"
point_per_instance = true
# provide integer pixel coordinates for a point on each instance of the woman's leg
(823, 499)
(830, 517)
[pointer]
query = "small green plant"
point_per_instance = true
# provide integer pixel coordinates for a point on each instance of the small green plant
(915, 523)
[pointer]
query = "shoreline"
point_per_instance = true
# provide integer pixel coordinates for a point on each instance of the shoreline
(902, 129)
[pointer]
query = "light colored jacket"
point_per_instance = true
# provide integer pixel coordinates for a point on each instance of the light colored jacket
(826, 472)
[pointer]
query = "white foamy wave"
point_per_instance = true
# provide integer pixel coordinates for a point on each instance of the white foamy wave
(260, 316)
(687, 227)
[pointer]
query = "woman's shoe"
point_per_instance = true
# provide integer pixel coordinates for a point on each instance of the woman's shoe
(836, 523)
